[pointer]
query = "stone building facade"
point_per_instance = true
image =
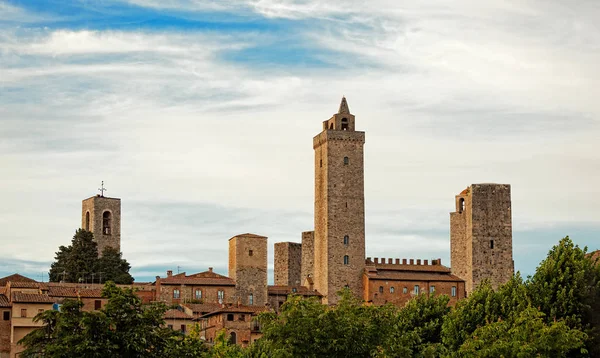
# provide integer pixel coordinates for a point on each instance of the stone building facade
(238, 321)
(202, 287)
(339, 244)
(288, 262)
(481, 235)
(248, 268)
(102, 216)
(398, 281)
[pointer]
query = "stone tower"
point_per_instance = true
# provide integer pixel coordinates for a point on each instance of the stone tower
(102, 216)
(339, 238)
(481, 235)
(288, 263)
(248, 267)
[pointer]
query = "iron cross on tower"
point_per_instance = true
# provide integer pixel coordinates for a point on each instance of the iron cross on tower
(102, 190)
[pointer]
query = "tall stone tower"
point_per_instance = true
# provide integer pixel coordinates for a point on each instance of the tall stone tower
(481, 235)
(288, 263)
(248, 267)
(339, 238)
(102, 216)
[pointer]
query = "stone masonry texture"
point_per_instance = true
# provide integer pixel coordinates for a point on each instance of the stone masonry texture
(94, 209)
(308, 257)
(248, 268)
(481, 235)
(339, 208)
(288, 261)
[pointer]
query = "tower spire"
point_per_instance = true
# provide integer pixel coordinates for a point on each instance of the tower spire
(344, 107)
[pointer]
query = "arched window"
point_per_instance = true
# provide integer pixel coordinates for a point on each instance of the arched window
(405, 290)
(344, 124)
(233, 338)
(346, 260)
(87, 221)
(392, 289)
(346, 160)
(331, 126)
(106, 223)
(346, 240)
(380, 289)
(461, 205)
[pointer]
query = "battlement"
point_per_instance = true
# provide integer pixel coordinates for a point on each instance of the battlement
(396, 261)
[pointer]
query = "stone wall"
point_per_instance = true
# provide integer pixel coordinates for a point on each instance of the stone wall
(96, 206)
(481, 235)
(339, 210)
(288, 262)
(248, 267)
(308, 258)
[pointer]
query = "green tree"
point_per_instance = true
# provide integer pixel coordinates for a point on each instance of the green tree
(78, 261)
(566, 286)
(418, 328)
(306, 328)
(527, 336)
(113, 267)
(122, 328)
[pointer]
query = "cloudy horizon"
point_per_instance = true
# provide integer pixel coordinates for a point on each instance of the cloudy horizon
(200, 116)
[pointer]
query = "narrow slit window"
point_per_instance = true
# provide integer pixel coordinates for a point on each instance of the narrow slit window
(346, 260)
(453, 291)
(346, 240)
(346, 160)
(106, 223)
(392, 289)
(491, 244)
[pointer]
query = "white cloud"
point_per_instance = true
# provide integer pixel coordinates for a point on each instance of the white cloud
(448, 96)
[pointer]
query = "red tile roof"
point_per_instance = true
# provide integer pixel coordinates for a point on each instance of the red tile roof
(4, 301)
(250, 235)
(288, 290)
(202, 307)
(595, 255)
(237, 309)
(176, 314)
(31, 298)
(74, 292)
(207, 278)
(16, 278)
(27, 284)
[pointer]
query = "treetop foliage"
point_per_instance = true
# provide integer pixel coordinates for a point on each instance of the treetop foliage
(80, 262)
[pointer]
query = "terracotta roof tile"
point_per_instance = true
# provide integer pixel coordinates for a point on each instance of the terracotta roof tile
(288, 290)
(250, 235)
(16, 278)
(236, 309)
(27, 284)
(74, 292)
(202, 278)
(4, 301)
(202, 307)
(176, 314)
(31, 298)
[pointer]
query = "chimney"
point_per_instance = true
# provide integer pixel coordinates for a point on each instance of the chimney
(157, 278)
(210, 269)
(169, 273)
(439, 261)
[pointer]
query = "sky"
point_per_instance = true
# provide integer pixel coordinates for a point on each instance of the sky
(200, 116)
